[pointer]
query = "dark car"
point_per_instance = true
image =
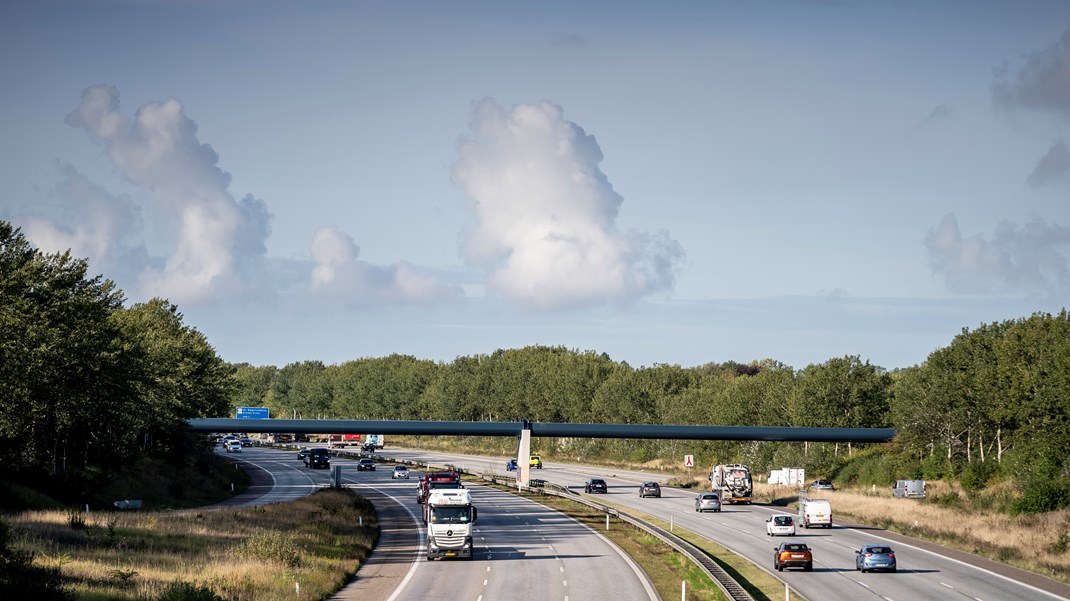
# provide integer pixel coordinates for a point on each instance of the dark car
(318, 458)
(510, 466)
(649, 489)
(246, 441)
(368, 448)
(302, 454)
(365, 464)
(871, 558)
(793, 555)
(596, 485)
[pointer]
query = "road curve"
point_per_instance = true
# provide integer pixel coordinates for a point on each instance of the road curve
(524, 550)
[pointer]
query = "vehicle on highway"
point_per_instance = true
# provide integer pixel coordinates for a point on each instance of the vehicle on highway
(793, 555)
(233, 446)
(596, 485)
(535, 461)
(437, 480)
(318, 457)
(400, 472)
(365, 464)
(246, 441)
(449, 515)
(708, 501)
(733, 482)
(815, 512)
(780, 525)
(871, 558)
(649, 489)
(910, 489)
(302, 454)
(368, 448)
(822, 485)
(510, 466)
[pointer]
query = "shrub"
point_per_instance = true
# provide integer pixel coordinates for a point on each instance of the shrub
(272, 546)
(185, 591)
(20, 579)
(1039, 496)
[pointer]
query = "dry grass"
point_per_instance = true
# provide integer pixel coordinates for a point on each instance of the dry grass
(256, 553)
(1038, 543)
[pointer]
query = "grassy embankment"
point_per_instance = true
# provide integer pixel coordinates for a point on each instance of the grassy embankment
(249, 553)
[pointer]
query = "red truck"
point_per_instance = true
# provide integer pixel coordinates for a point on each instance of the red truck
(341, 440)
(436, 481)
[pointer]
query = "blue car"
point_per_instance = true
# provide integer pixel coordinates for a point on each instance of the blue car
(510, 466)
(871, 558)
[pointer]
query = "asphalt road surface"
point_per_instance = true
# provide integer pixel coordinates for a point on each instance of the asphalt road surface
(926, 571)
(523, 550)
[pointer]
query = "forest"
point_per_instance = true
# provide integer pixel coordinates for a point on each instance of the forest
(89, 387)
(89, 384)
(993, 405)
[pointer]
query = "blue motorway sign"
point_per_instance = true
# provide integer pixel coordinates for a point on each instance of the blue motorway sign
(252, 412)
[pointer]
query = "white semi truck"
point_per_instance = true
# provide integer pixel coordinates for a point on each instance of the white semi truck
(449, 515)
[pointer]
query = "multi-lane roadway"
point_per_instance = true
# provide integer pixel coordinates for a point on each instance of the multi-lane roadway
(925, 571)
(523, 550)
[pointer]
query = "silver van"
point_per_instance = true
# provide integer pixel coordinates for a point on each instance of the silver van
(909, 489)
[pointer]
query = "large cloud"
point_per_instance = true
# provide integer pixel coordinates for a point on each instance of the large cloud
(91, 222)
(1031, 260)
(158, 151)
(545, 230)
(340, 274)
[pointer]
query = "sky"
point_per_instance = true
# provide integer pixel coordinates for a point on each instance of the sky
(667, 183)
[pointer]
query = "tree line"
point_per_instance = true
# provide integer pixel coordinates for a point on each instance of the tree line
(88, 385)
(992, 405)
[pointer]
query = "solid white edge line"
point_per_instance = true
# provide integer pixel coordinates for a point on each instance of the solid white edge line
(422, 544)
(970, 565)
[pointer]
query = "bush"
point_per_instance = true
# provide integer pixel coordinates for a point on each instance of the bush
(1040, 496)
(272, 546)
(185, 591)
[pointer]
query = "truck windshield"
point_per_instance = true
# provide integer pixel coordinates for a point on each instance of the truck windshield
(449, 515)
(443, 485)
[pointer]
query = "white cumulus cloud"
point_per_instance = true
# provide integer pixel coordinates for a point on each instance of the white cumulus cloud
(340, 274)
(158, 151)
(1033, 259)
(545, 231)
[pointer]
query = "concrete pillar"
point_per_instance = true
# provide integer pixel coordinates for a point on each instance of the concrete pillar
(523, 469)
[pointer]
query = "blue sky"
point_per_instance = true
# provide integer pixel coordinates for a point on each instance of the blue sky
(678, 183)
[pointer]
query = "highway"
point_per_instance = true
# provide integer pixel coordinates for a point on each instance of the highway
(922, 574)
(523, 550)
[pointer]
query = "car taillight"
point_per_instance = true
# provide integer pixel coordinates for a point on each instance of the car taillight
(867, 555)
(891, 555)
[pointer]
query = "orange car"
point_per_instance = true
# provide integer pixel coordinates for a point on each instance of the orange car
(793, 555)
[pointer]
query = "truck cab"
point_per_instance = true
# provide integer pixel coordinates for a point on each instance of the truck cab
(449, 515)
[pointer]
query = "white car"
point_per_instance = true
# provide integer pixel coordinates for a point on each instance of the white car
(400, 471)
(234, 446)
(780, 525)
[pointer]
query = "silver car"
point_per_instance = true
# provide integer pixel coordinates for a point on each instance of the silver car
(708, 501)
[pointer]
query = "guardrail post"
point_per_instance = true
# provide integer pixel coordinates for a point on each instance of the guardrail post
(607, 520)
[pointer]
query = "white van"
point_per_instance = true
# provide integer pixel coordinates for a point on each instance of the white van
(815, 512)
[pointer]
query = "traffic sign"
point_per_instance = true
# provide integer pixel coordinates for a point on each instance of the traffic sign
(689, 461)
(252, 413)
